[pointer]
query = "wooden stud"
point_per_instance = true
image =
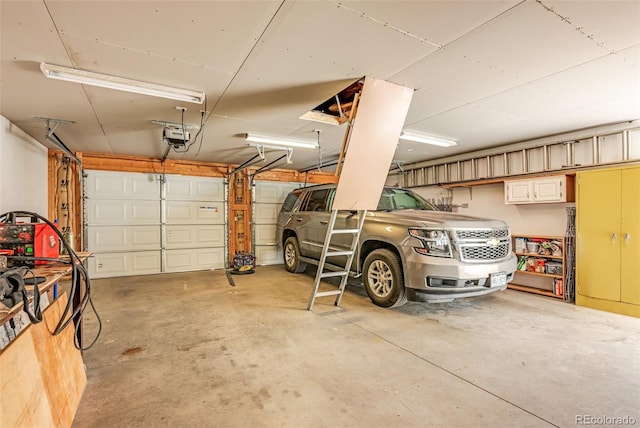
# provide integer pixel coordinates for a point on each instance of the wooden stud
(345, 141)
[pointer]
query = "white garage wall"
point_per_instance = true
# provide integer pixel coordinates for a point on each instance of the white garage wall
(23, 171)
(488, 201)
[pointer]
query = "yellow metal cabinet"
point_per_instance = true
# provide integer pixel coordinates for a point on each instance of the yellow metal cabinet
(630, 237)
(608, 240)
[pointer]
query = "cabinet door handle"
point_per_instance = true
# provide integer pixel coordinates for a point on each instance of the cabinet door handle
(627, 236)
(614, 236)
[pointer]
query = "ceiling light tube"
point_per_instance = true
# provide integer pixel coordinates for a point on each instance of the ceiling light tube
(427, 139)
(119, 83)
(280, 141)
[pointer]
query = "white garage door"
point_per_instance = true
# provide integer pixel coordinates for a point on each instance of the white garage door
(195, 223)
(268, 197)
(137, 224)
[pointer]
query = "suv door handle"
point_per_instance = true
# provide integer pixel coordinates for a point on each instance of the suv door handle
(298, 218)
(323, 222)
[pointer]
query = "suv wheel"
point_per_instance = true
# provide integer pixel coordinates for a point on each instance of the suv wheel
(383, 279)
(292, 262)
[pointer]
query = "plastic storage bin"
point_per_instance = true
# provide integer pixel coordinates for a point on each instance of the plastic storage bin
(553, 268)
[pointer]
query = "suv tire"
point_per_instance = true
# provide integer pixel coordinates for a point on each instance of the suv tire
(383, 279)
(292, 262)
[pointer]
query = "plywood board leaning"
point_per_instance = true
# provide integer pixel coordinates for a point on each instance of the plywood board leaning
(382, 110)
(43, 375)
(24, 401)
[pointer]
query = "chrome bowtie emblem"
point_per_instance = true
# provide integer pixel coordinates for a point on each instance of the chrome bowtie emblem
(494, 242)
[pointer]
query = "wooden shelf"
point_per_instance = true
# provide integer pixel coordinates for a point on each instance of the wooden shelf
(539, 282)
(534, 290)
(540, 274)
(542, 256)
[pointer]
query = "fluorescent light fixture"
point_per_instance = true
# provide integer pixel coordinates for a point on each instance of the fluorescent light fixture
(427, 140)
(119, 83)
(254, 138)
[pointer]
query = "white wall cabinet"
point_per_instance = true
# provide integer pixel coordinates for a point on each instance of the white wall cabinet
(539, 190)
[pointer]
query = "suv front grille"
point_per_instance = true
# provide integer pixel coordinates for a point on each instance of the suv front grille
(464, 234)
(483, 244)
(484, 253)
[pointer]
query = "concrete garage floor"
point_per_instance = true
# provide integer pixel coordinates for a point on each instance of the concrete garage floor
(189, 350)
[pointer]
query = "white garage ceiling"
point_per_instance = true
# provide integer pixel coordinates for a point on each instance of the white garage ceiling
(485, 73)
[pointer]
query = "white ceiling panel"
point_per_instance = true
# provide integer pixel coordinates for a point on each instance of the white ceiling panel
(507, 52)
(198, 33)
(437, 22)
(616, 26)
(485, 72)
(341, 45)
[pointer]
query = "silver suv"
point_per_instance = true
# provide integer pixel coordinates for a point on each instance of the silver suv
(408, 250)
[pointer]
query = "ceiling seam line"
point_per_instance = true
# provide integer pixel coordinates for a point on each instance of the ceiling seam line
(70, 57)
(144, 52)
(529, 82)
(386, 24)
(444, 46)
(575, 27)
(244, 61)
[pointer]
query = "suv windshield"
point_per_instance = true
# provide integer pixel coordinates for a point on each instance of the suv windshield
(402, 199)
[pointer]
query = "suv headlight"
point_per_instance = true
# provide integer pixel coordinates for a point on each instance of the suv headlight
(435, 242)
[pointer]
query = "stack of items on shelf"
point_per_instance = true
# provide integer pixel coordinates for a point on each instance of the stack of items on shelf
(534, 256)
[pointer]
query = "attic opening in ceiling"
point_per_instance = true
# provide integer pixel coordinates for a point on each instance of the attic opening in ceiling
(337, 109)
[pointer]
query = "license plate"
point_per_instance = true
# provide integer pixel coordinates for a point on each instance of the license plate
(498, 279)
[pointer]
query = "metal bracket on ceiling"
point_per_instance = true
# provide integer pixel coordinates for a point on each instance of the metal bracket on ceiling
(260, 149)
(52, 138)
(57, 122)
(261, 155)
(271, 164)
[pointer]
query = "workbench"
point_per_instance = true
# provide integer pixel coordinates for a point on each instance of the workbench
(43, 375)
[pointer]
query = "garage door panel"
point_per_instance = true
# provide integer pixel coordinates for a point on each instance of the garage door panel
(123, 238)
(142, 212)
(268, 200)
(118, 185)
(273, 192)
(195, 236)
(112, 212)
(266, 213)
(182, 260)
(124, 264)
(268, 192)
(265, 234)
(268, 255)
(130, 216)
(187, 212)
(180, 188)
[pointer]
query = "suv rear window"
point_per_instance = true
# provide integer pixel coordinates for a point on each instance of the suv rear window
(290, 201)
(316, 201)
